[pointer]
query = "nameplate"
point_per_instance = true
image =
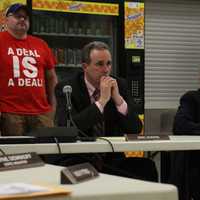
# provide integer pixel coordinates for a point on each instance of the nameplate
(20, 161)
(78, 173)
(131, 137)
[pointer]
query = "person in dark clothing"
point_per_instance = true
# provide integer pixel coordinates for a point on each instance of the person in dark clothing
(185, 172)
(187, 119)
(101, 107)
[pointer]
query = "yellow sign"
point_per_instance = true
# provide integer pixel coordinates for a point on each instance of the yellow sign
(137, 153)
(76, 7)
(134, 25)
(4, 4)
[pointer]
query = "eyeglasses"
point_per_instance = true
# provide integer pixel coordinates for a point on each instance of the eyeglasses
(19, 16)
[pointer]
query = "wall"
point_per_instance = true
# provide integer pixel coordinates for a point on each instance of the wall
(172, 59)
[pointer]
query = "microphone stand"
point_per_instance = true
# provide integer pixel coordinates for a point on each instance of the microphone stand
(68, 117)
(70, 124)
(68, 108)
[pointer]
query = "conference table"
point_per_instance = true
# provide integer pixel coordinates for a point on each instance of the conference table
(119, 144)
(103, 187)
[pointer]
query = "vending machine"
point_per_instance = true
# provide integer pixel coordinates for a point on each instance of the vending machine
(134, 51)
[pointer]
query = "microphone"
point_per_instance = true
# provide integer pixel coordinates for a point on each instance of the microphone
(67, 90)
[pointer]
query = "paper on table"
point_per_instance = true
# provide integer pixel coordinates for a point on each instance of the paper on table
(17, 188)
(14, 191)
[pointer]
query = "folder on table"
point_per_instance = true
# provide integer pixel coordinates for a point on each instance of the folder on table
(48, 191)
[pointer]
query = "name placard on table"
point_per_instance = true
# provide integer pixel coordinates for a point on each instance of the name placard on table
(78, 173)
(20, 161)
(132, 137)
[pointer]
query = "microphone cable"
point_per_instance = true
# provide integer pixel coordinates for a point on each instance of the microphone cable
(79, 130)
(58, 145)
(109, 142)
(4, 154)
(86, 136)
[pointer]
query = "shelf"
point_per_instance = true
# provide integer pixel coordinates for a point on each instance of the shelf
(73, 35)
(67, 66)
(67, 72)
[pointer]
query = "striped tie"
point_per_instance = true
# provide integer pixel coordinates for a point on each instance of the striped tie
(99, 127)
(96, 94)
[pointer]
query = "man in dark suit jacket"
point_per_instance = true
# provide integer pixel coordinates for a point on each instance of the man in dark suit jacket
(185, 172)
(111, 109)
(86, 114)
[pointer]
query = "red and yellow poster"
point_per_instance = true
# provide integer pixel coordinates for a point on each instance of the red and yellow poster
(134, 25)
(4, 4)
(76, 7)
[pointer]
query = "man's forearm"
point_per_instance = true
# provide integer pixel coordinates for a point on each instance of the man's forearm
(51, 81)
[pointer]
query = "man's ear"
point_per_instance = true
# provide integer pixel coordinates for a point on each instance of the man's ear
(6, 19)
(84, 65)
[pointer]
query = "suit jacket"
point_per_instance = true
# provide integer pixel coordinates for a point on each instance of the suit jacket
(185, 165)
(187, 119)
(86, 115)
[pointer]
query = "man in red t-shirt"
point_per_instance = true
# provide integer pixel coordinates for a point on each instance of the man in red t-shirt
(27, 77)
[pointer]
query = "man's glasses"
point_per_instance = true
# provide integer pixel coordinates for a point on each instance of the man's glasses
(19, 16)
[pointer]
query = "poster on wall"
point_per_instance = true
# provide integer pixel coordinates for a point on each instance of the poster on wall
(134, 25)
(4, 4)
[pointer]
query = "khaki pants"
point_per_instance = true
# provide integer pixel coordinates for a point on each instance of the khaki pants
(16, 124)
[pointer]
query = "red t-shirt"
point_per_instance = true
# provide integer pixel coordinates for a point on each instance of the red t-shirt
(23, 63)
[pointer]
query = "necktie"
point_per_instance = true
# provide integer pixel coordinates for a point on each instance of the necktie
(96, 94)
(98, 127)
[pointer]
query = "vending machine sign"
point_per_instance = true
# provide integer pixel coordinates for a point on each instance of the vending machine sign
(134, 25)
(76, 7)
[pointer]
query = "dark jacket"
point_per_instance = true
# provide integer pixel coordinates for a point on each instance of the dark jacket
(187, 119)
(86, 115)
(185, 165)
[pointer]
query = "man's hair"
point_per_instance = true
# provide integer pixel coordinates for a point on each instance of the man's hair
(91, 46)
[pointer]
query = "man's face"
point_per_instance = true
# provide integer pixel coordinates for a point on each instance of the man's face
(18, 22)
(100, 65)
